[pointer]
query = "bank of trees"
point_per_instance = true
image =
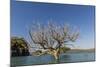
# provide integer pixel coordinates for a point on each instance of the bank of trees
(19, 47)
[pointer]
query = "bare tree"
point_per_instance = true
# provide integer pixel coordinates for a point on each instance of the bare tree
(52, 37)
(62, 35)
(38, 36)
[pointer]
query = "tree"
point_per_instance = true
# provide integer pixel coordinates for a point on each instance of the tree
(19, 47)
(52, 37)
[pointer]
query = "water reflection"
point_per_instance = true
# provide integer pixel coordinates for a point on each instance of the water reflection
(64, 58)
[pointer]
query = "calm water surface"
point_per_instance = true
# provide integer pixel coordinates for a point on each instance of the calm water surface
(48, 59)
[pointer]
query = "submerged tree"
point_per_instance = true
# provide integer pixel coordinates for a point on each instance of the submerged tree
(52, 37)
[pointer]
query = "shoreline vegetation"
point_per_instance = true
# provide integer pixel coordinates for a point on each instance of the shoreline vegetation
(19, 47)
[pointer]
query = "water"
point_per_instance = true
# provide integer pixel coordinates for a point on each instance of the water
(48, 59)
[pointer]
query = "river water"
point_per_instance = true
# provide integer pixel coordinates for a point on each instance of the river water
(48, 59)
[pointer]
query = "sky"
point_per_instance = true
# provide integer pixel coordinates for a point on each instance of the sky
(24, 14)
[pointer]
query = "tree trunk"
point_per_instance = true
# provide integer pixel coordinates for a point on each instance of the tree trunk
(56, 54)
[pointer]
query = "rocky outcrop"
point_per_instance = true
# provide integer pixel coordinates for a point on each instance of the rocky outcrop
(19, 47)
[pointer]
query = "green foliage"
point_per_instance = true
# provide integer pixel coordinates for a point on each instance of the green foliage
(38, 51)
(20, 42)
(64, 49)
(19, 47)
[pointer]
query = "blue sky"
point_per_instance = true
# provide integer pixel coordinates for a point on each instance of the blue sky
(24, 14)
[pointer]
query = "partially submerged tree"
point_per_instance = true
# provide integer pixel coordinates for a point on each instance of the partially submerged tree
(52, 37)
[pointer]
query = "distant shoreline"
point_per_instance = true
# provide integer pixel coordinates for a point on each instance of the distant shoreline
(82, 50)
